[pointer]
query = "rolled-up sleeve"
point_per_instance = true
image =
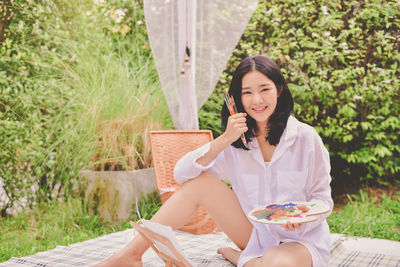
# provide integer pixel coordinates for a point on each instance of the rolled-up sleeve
(319, 180)
(187, 167)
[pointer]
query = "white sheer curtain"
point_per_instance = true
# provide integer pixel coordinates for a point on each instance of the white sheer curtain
(202, 32)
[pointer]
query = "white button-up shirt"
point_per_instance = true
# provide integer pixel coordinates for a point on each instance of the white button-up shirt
(298, 171)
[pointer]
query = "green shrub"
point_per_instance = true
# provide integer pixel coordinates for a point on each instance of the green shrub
(341, 61)
(67, 67)
(32, 105)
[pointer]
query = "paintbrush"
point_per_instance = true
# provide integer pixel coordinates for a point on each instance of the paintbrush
(230, 103)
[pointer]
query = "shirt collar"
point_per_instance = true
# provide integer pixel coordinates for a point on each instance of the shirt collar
(288, 134)
(287, 139)
(291, 128)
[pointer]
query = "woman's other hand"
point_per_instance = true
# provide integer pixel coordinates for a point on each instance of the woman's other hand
(291, 226)
(303, 208)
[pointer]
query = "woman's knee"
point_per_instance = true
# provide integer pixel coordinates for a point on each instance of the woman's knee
(197, 187)
(203, 181)
(276, 257)
(287, 261)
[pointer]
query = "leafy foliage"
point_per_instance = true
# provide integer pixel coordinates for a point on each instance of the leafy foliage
(66, 69)
(32, 107)
(341, 61)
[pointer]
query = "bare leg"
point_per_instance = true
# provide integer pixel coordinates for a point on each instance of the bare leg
(286, 254)
(230, 254)
(206, 191)
(289, 254)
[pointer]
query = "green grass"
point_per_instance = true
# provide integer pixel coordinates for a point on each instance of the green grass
(61, 224)
(147, 206)
(112, 79)
(368, 217)
(65, 223)
(49, 225)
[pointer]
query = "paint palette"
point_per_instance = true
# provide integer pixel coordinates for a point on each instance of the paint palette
(281, 213)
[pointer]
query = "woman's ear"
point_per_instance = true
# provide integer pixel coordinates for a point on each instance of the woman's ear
(280, 91)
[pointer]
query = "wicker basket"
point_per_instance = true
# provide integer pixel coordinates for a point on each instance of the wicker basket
(167, 148)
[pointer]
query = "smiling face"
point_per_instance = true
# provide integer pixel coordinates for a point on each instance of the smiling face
(259, 97)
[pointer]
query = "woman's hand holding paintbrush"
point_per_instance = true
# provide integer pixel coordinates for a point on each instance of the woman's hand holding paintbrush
(236, 126)
(230, 103)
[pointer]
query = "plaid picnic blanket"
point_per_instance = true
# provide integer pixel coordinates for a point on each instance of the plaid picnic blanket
(201, 249)
(342, 257)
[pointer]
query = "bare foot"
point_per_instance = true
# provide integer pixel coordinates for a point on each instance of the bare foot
(230, 254)
(118, 260)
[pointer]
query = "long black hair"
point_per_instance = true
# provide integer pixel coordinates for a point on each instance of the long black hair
(278, 120)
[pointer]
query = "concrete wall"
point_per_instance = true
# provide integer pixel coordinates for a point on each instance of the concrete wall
(111, 193)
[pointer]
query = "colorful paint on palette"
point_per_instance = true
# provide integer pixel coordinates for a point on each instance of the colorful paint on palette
(278, 212)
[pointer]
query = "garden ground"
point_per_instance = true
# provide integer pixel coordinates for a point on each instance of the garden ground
(372, 212)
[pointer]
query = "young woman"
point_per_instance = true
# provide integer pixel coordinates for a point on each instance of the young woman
(285, 160)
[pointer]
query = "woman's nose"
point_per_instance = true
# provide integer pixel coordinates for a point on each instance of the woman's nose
(257, 99)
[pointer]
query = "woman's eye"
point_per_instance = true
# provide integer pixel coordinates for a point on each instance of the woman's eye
(246, 93)
(264, 89)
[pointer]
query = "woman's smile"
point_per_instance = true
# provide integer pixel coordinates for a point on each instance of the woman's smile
(260, 110)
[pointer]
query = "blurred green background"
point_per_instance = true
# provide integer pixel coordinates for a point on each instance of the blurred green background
(67, 68)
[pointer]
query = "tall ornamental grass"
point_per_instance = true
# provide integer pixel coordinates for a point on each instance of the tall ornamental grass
(67, 68)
